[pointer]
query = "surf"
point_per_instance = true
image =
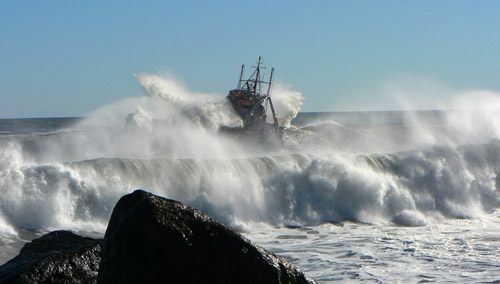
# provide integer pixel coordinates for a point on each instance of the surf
(405, 168)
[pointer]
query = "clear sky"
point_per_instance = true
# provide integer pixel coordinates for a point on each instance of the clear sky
(67, 58)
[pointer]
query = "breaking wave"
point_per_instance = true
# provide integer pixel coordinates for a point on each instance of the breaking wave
(403, 169)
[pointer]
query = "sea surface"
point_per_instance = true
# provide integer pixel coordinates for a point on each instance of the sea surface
(348, 197)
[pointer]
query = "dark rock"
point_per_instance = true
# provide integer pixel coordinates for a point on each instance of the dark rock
(151, 239)
(57, 257)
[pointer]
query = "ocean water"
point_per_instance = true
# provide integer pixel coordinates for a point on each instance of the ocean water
(391, 197)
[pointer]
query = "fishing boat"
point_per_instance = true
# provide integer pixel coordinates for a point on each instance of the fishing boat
(251, 100)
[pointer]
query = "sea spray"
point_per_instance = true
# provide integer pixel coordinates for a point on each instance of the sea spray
(392, 170)
(208, 110)
(71, 178)
(288, 189)
(287, 103)
(405, 168)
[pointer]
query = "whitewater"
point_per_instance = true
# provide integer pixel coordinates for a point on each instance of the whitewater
(394, 197)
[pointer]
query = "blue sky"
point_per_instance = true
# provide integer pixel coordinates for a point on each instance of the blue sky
(67, 58)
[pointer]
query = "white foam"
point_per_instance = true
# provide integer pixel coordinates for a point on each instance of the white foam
(168, 143)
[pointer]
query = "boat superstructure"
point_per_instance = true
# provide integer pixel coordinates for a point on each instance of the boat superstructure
(251, 103)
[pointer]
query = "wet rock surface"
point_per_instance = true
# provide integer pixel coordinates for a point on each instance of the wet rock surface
(151, 239)
(57, 257)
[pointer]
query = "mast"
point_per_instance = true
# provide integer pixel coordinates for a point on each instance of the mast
(270, 82)
(257, 77)
(275, 117)
(241, 76)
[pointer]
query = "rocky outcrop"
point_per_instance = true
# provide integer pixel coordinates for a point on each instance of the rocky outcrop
(151, 239)
(58, 257)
